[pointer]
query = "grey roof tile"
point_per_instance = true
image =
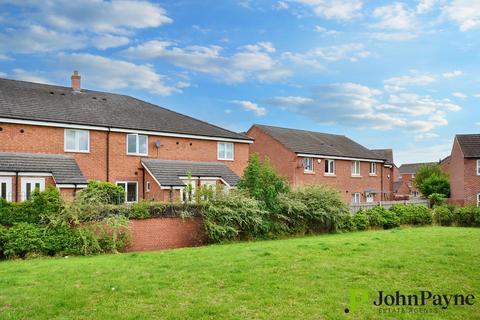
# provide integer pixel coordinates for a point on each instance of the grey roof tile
(167, 172)
(411, 168)
(42, 102)
(470, 145)
(386, 154)
(63, 168)
(316, 143)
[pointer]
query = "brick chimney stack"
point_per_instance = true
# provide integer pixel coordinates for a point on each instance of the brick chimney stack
(75, 81)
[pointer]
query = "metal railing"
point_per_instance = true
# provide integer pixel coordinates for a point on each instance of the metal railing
(355, 207)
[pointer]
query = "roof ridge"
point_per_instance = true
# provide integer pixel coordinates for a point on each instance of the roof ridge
(302, 130)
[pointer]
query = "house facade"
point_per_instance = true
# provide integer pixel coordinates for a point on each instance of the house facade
(62, 136)
(306, 158)
(405, 188)
(463, 168)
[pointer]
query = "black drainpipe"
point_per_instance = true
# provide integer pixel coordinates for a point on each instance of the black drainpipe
(381, 175)
(108, 155)
(74, 190)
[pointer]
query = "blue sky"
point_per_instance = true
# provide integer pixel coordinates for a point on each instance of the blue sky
(401, 75)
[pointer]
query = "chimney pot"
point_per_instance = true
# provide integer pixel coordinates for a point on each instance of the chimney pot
(76, 81)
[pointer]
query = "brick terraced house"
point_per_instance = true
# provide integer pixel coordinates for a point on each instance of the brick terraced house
(62, 136)
(463, 167)
(306, 157)
(406, 188)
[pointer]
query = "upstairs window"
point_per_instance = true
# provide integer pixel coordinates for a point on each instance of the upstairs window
(329, 166)
(137, 144)
(77, 140)
(308, 164)
(355, 168)
(373, 169)
(225, 151)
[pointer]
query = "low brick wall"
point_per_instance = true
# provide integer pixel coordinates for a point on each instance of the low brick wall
(166, 233)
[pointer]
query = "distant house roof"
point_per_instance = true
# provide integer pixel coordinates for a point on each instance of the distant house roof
(470, 145)
(411, 168)
(64, 169)
(316, 143)
(168, 172)
(42, 102)
(386, 154)
(397, 185)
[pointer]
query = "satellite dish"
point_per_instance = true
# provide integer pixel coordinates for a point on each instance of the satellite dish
(158, 144)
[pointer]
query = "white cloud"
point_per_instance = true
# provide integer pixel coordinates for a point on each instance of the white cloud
(4, 57)
(466, 13)
(316, 57)
(459, 95)
(425, 5)
(281, 5)
(355, 105)
(452, 74)
(392, 36)
(24, 75)
(325, 31)
(477, 95)
(39, 39)
(227, 111)
(394, 16)
(334, 9)
(250, 106)
(399, 83)
(426, 136)
(249, 61)
(114, 74)
(108, 41)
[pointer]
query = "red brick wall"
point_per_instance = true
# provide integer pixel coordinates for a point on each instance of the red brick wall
(165, 233)
(471, 181)
(456, 170)
(123, 167)
(290, 166)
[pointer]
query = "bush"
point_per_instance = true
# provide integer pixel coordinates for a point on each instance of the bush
(313, 209)
(21, 239)
(430, 179)
(375, 216)
(444, 215)
(436, 199)
(360, 220)
(262, 182)
(98, 192)
(412, 214)
(468, 216)
(234, 216)
(61, 241)
(3, 239)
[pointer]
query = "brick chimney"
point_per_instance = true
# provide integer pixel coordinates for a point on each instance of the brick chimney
(75, 81)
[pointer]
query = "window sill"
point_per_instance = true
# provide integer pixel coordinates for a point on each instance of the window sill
(75, 151)
(356, 176)
(372, 175)
(333, 175)
(308, 172)
(137, 154)
(225, 159)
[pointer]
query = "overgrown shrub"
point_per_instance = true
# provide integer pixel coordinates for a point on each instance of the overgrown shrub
(21, 239)
(413, 214)
(99, 192)
(61, 241)
(444, 215)
(312, 209)
(262, 182)
(436, 199)
(234, 216)
(375, 216)
(360, 219)
(3, 239)
(430, 178)
(468, 216)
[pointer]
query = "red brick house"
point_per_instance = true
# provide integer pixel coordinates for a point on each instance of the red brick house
(305, 157)
(405, 187)
(463, 167)
(62, 136)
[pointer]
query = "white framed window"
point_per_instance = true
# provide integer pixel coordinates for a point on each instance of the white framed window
(148, 186)
(77, 140)
(137, 144)
(225, 151)
(131, 190)
(373, 169)
(478, 167)
(308, 164)
(6, 188)
(478, 200)
(370, 197)
(329, 166)
(356, 197)
(29, 185)
(355, 168)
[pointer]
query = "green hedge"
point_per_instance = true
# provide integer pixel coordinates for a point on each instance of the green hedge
(413, 214)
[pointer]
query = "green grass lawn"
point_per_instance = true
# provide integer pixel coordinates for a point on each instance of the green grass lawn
(302, 278)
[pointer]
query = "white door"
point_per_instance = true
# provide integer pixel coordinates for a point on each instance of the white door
(369, 197)
(6, 188)
(29, 185)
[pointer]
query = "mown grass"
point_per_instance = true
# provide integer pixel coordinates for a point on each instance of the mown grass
(302, 278)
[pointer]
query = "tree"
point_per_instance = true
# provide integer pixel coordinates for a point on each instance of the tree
(262, 181)
(431, 179)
